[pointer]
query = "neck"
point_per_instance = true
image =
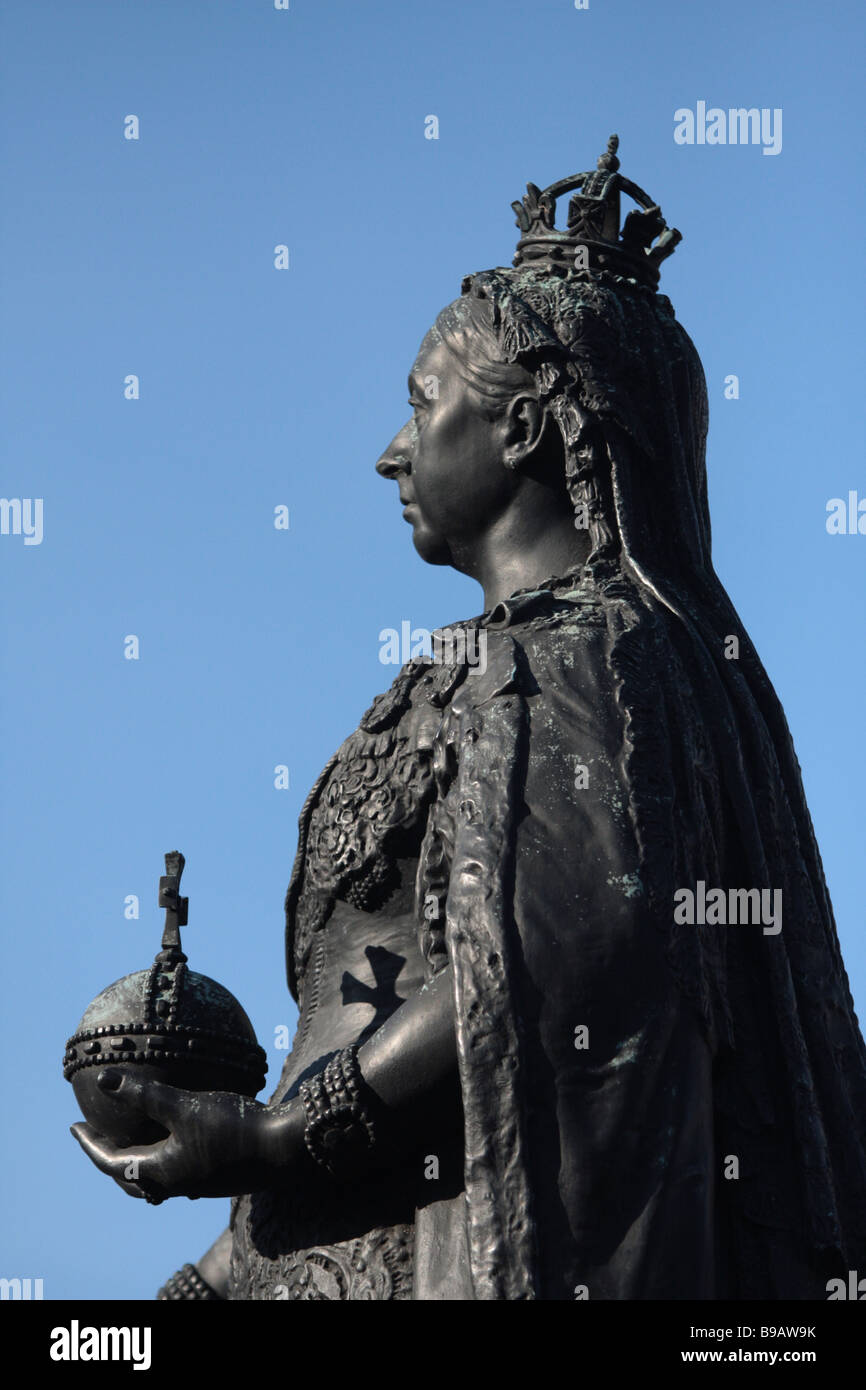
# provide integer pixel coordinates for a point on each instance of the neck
(517, 554)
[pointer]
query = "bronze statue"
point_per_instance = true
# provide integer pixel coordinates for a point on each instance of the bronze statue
(573, 1017)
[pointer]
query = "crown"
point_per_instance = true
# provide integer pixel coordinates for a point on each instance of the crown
(592, 238)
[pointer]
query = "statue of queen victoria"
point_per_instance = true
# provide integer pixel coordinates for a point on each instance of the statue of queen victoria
(573, 1017)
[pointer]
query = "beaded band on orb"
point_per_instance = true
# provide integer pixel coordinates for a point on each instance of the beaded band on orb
(338, 1130)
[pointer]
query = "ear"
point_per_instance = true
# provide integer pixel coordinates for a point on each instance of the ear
(524, 425)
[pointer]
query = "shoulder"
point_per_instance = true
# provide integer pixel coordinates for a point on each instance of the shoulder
(548, 651)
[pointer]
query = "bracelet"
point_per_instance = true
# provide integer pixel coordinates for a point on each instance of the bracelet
(339, 1130)
(187, 1285)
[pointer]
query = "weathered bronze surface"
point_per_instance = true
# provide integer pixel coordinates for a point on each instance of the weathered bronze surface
(573, 1017)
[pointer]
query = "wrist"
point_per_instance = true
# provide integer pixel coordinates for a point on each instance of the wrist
(187, 1286)
(282, 1137)
(339, 1110)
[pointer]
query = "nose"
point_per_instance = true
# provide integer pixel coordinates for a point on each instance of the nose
(395, 461)
(392, 465)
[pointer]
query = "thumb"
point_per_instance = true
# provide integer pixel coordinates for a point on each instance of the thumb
(160, 1102)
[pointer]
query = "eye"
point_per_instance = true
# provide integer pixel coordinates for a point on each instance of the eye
(419, 413)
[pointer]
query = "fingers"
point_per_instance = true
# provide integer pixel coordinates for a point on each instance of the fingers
(107, 1156)
(130, 1168)
(158, 1101)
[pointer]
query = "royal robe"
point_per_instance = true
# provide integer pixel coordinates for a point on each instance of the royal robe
(611, 1064)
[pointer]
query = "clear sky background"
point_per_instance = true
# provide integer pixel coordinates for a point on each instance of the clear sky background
(261, 387)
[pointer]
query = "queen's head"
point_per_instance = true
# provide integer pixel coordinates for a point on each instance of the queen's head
(559, 409)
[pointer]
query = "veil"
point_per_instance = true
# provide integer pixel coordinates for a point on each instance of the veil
(715, 791)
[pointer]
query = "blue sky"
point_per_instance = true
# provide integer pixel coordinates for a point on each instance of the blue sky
(260, 387)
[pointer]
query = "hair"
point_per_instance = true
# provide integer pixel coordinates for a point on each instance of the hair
(714, 786)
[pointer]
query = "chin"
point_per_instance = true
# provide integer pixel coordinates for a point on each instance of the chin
(432, 548)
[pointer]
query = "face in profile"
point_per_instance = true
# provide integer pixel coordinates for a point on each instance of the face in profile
(449, 460)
